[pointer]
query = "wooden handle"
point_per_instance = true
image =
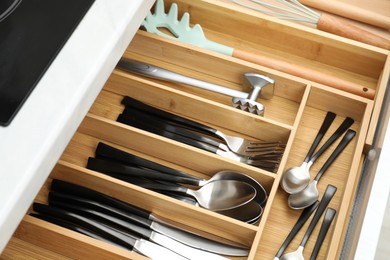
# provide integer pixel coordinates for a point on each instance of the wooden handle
(350, 11)
(334, 25)
(306, 73)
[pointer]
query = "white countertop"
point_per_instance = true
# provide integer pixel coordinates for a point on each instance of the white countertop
(33, 142)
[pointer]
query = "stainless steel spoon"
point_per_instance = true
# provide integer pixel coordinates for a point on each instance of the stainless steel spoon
(261, 194)
(306, 213)
(216, 195)
(309, 195)
(298, 254)
(296, 179)
(108, 152)
(293, 178)
(249, 212)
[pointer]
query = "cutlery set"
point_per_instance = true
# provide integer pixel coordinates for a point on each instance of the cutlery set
(304, 195)
(105, 218)
(322, 206)
(296, 180)
(262, 154)
(230, 193)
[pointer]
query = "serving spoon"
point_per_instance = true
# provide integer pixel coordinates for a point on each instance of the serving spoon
(215, 195)
(107, 152)
(295, 179)
(309, 195)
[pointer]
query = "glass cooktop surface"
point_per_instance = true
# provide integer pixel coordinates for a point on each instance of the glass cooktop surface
(31, 36)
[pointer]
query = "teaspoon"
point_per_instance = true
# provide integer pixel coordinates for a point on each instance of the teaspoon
(309, 195)
(296, 179)
(298, 254)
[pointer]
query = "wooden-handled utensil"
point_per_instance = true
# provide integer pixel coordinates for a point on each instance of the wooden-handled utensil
(195, 36)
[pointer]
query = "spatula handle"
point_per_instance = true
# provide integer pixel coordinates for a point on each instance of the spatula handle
(306, 73)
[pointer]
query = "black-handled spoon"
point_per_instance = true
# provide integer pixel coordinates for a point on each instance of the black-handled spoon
(106, 151)
(328, 195)
(310, 194)
(328, 218)
(306, 213)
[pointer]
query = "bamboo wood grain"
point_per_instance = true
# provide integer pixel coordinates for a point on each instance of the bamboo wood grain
(306, 73)
(332, 24)
(69, 243)
(350, 11)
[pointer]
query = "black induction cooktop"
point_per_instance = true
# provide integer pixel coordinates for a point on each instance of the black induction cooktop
(31, 36)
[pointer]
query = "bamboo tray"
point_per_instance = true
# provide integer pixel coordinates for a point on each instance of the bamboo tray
(293, 116)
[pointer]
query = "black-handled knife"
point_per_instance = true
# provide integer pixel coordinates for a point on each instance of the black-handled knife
(131, 242)
(158, 225)
(129, 226)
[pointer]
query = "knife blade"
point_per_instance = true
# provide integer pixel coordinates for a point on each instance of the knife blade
(174, 232)
(131, 242)
(66, 202)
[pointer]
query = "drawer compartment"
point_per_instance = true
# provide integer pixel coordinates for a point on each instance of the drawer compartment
(292, 116)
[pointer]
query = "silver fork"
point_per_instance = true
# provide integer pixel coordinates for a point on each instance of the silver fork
(249, 147)
(238, 145)
(269, 162)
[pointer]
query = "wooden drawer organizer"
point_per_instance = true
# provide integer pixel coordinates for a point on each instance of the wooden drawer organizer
(293, 115)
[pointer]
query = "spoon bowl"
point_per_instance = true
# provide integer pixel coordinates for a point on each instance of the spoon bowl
(296, 255)
(296, 178)
(222, 194)
(261, 195)
(304, 198)
(249, 212)
(309, 194)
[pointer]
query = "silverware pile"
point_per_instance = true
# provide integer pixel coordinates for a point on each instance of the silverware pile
(105, 218)
(235, 194)
(261, 154)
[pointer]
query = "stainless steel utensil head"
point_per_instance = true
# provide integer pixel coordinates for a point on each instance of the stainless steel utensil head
(258, 85)
(247, 105)
(263, 85)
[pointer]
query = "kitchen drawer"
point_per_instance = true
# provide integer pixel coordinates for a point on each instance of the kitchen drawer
(293, 116)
